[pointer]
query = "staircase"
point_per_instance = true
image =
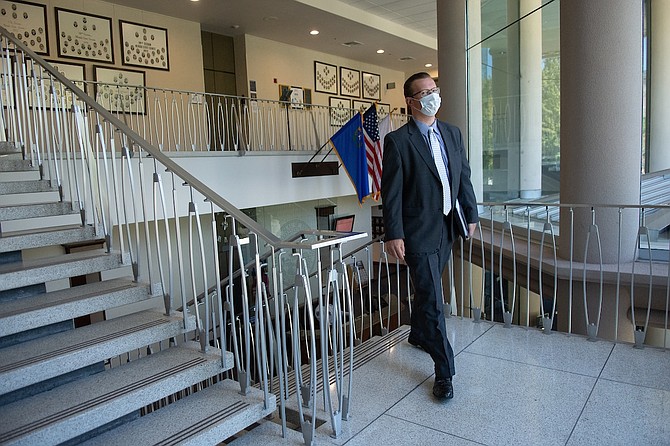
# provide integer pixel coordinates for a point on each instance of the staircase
(137, 378)
(116, 317)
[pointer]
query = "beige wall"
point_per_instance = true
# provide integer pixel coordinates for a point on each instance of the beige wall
(184, 45)
(267, 60)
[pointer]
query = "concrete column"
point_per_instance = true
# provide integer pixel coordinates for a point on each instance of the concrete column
(452, 66)
(530, 87)
(658, 115)
(512, 101)
(451, 60)
(601, 109)
(475, 116)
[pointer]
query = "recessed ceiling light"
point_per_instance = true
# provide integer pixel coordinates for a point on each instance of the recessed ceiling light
(195, 0)
(314, 32)
(380, 51)
(428, 65)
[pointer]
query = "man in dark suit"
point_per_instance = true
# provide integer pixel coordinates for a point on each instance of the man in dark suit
(420, 219)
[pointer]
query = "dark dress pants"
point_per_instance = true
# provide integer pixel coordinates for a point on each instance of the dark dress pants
(428, 325)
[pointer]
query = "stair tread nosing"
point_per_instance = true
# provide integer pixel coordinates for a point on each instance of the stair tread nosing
(50, 356)
(205, 417)
(29, 272)
(72, 409)
(56, 306)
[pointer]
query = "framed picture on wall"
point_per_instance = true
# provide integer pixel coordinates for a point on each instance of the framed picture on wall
(350, 82)
(284, 93)
(325, 77)
(372, 86)
(144, 46)
(84, 36)
(28, 22)
(359, 105)
(340, 111)
(297, 98)
(61, 99)
(120, 91)
(383, 110)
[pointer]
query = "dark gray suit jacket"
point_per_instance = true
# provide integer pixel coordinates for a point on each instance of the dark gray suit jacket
(411, 188)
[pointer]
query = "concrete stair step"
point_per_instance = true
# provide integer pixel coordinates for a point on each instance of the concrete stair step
(30, 272)
(50, 236)
(44, 309)
(9, 148)
(19, 175)
(29, 198)
(16, 164)
(73, 409)
(39, 223)
(37, 216)
(19, 212)
(44, 358)
(363, 353)
(208, 416)
(15, 187)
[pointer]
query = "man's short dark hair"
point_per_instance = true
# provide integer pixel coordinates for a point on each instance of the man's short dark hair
(407, 86)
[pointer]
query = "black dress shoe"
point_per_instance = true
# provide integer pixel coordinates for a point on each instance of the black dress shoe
(415, 343)
(443, 389)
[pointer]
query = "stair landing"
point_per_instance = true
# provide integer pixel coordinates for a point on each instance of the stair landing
(513, 386)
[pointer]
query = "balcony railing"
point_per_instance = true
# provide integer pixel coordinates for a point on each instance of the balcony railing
(175, 120)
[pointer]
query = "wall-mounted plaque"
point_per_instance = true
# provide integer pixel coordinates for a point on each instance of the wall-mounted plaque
(340, 111)
(84, 36)
(359, 105)
(59, 97)
(28, 22)
(144, 46)
(325, 78)
(372, 88)
(120, 90)
(350, 82)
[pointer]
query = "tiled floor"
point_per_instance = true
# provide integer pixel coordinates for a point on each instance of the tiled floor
(513, 386)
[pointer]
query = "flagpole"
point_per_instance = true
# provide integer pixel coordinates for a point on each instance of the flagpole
(317, 152)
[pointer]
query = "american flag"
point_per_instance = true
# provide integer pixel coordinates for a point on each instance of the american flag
(373, 150)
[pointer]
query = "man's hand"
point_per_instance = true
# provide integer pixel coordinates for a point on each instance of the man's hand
(396, 248)
(472, 227)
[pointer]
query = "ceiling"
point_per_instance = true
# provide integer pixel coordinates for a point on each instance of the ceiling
(403, 28)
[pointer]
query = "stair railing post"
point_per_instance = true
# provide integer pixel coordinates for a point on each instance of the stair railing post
(167, 287)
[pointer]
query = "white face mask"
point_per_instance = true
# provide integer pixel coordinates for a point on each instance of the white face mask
(430, 104)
